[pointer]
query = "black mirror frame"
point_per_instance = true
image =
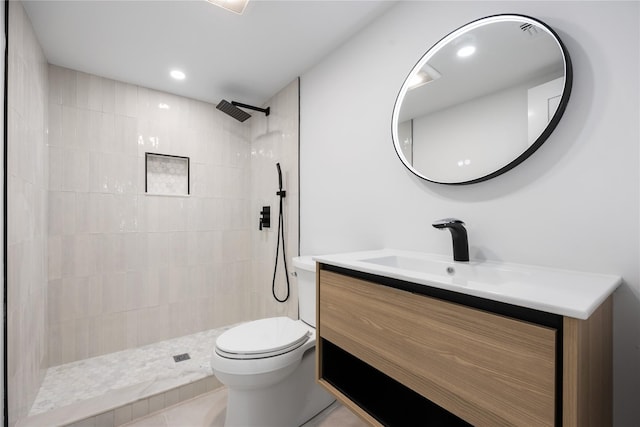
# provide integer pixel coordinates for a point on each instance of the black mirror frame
(564, 100)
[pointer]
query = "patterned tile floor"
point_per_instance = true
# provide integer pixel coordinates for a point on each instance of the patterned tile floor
(88, 378)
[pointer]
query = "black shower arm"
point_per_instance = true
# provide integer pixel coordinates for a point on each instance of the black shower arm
(266, 111)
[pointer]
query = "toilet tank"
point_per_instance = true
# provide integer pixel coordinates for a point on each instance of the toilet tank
(305, 268)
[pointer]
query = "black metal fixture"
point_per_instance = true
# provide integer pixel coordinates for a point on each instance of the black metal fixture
(231, 108)
(265, 217)
(282, 193)
(459, 236)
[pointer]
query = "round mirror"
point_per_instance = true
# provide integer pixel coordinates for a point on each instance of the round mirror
(481, 100)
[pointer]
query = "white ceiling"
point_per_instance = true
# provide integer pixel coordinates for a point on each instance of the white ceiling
(246, 58)
(506, 56)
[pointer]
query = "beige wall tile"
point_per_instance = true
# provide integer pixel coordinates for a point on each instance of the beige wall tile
(88, 422)
(139, 409)
(122, 415)
(105, 420)
(186, 392)
(156, 403)
(171, 397)
(27, 213)
(181, 263)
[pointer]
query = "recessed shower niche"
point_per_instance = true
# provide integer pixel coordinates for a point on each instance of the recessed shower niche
(166, 175)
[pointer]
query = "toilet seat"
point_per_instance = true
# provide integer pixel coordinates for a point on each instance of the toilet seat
(262, 338)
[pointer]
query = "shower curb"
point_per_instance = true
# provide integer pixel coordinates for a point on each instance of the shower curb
(106, 412)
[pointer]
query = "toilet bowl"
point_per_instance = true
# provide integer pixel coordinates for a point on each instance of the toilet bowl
(268, 365)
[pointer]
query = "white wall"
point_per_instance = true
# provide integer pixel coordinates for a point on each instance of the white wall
(440, 137)
(573, 204)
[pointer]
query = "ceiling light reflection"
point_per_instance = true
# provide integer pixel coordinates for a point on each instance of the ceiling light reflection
(236, 6)
(466, 51)
(177, 74)
(424, 76)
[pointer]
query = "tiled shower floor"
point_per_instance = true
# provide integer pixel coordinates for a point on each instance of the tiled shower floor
(85, 379)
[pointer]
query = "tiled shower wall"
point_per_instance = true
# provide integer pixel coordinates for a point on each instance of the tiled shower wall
(125, 268)
(274, 139)
(26, 214)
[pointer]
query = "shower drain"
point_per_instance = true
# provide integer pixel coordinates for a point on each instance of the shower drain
(181, 357)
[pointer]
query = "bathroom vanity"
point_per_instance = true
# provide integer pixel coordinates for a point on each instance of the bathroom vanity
(406, 337)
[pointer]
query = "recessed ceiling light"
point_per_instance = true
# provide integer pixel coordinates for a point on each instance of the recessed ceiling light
(465, 51)
(418, 79)
(424, 76)
(236, 6)
(177, 74)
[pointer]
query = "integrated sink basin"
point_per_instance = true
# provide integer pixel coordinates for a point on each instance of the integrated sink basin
(488, 274)
(427, 266)
(567, 293)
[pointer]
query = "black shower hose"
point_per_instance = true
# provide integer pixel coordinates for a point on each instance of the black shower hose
(284, 256)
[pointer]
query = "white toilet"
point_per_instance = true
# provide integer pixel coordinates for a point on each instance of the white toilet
(268, 365)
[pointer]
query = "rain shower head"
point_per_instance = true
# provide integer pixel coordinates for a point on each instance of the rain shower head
(231, 108)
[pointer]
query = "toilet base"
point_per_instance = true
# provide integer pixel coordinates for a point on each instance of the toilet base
(289, 403)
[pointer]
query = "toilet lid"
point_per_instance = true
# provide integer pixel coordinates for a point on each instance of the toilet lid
(262, 338)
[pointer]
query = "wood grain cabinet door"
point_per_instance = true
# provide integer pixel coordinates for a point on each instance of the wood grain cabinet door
(485, 368)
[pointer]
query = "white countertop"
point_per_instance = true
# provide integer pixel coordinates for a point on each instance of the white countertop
(564, 292)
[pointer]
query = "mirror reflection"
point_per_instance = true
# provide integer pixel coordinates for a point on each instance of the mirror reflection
(481, 100)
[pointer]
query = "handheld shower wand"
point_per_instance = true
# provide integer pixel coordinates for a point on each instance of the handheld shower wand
(282, 193)
(279, 176)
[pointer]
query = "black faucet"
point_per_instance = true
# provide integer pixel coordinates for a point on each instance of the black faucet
(459, 236)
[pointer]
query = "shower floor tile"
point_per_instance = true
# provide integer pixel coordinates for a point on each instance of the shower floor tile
(89, 378)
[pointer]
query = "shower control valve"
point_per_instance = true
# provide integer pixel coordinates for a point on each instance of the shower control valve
(265, 217)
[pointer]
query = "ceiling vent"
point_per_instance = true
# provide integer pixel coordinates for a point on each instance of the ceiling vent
(530, 30)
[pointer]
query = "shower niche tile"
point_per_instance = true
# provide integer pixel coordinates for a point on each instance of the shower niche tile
(166, 175)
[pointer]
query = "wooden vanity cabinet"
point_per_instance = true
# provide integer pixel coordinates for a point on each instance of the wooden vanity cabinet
(395, 354)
